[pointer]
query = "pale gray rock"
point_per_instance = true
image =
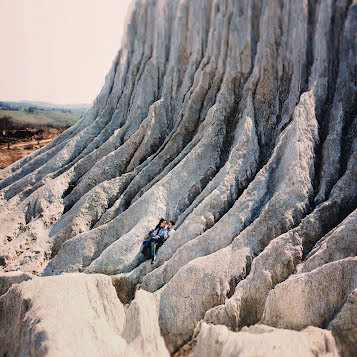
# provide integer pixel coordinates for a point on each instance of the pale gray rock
(312, 298)
(278, 260)
(204, 283)
(141, 329)
(76, 314)
(238, 120)
(69, 314)
(340, 243)
(275, 264)
(343, 101)
(262, 340)
(344, 326)
(287, 205)
(327, 215)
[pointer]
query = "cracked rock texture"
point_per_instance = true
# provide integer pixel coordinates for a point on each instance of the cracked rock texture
(77, 314)
(261, 340)
(235, 118)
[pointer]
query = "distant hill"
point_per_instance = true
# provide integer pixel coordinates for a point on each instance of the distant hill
(78, 109)
(18, 119)
(31, 114)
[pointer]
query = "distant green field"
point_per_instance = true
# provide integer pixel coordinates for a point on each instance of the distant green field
(39, 118)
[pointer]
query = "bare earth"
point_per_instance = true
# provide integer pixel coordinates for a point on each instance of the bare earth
(25, 147)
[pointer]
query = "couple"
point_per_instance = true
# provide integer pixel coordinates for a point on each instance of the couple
(156, 238)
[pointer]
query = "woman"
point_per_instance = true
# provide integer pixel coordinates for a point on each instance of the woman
(158, 230)
(155, 236)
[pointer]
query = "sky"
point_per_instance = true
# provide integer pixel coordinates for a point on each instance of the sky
(58, 51)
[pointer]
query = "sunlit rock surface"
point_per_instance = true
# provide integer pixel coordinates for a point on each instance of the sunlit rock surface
(237, 119)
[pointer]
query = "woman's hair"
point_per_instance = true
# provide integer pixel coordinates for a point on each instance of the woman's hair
(161, 220)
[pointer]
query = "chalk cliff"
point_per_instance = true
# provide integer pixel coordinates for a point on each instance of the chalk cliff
(237, 119)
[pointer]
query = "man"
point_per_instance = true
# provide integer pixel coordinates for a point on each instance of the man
(169, 232)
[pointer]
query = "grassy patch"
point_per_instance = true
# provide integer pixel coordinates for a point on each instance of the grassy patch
(39, 118)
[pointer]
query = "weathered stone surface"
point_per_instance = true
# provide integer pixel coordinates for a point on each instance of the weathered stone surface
(76, 314)
(344, 326)
(277, 261)
(125, 287)
(311, 298)
(287, 205)
(141, 329)
(238, 120)
(10, 278)
(56, 315)
(262, 340)
(204, 283)
(340, 243)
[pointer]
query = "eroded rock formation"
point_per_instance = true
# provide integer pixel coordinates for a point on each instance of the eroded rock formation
(238, 119)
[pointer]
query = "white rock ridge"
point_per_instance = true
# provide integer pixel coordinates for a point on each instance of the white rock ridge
(77, 314)
(238, 120)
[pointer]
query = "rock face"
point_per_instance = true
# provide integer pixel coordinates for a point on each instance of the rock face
(77, 314)
(262, 340)
(15, 277)
(237, 119)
